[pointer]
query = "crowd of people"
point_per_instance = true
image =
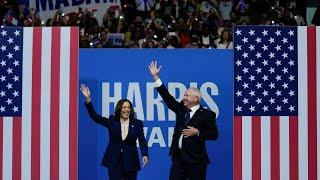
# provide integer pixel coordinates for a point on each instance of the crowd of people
(162, 23)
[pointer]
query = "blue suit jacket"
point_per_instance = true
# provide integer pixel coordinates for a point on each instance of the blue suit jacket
(116, 145)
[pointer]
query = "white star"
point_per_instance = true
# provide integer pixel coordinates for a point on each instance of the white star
(16, 63)
(245, 70)
(10, 40)
(265, 32)
(239, 108)
(291, 93)
(272, 100)
(284, 40)
(16, 48)
(285, 100)
(291, 78)
(265, 47)
(265, 62)
(278, 48)
(238, 62)
(271, 70)
(284, 85)
(291, 108)
(284, 55)
(239, 78)
(258, 70)
(3, 48)
(291, 33)
(251, 32)
(258, 55)
(9, 86)
(291, 48)
(239, 93)
(252, 93)
(9, 101)
(16, 78)
(238, 32)
(271, 55)
(2, 93)
(4, 33)
(271, 40)
(17, 33)
(245, 101)
(238, 47)
(3, 63)
(258, 85)
(10, 55)
(265, 78)
(245, 85)
(291, 63)
(265, 108)
(259, 101)
(15, 93)
(278, 33)
(251, 62)
(278, 78)
(245, 40)
(9, 70)
(251, 47)
(265, 93)
(278, 62)
(252, 78)
(3, 78)
(278, 93)
(15, 109)
(245, 55)
(278, 108)
(2, 109)
(284, 70)
(258, 40)
(252, 108)
(272, 85)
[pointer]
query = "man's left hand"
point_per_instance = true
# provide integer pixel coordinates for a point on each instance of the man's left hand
(190, 131)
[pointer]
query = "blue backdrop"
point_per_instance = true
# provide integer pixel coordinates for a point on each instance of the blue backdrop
(112, 74)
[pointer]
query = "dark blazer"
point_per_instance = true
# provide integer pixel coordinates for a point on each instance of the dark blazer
(193, 148)
(116, 145)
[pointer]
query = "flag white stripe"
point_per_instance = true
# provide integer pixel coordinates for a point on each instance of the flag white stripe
(7, 148)
(247, 147)
(284, 147)
(64, 104)
(318, 97)
(303, 104)
(45, 104)
(265, 148)
(26, 105)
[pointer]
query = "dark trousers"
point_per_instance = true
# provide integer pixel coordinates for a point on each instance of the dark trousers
(181, 170)
(119, 173)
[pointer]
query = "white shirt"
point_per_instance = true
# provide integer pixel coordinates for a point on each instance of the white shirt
(124, 129)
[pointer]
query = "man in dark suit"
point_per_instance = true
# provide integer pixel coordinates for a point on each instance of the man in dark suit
(194, 125)
(121, 157)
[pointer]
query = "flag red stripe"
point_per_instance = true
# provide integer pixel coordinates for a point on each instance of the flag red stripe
(237, 148)
(1, 146)
(36, 106)
(312, 104)
(16, 154)
(73, 107)
(275, 148)
(293, 148)
(256, 147)
(54, 103)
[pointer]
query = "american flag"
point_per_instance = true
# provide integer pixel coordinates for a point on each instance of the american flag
(276, 81)
(38, 103)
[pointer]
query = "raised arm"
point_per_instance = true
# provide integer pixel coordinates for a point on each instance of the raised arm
(92, 113)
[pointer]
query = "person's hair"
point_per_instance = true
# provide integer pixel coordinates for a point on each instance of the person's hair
(119, 105)
(221, 36)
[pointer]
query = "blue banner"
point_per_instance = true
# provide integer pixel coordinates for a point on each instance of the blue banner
(113, 74)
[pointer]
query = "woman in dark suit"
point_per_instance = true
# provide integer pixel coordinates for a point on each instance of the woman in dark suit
(121, 157)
